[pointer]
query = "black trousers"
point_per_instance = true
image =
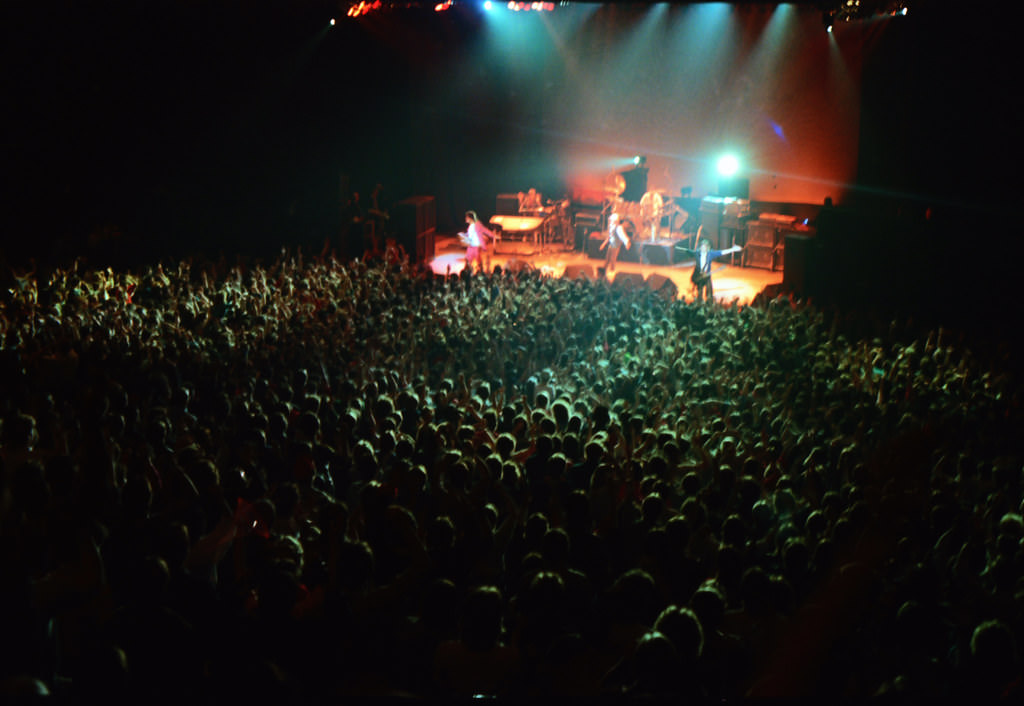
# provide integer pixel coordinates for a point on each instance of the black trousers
(702, 281)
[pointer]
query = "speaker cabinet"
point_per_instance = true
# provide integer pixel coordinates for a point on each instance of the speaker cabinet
(506, 205)
(516, 266)
(711, 211)
(425, 246)
(759, 256)
(579, 271)
(414, 217)
(630, 280)
(594, 241)
(798, 254)
(662, 285)
(762, 233)
(657, 253)
(580, 233)
(416, 214)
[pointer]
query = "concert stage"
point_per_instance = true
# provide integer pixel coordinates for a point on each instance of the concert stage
(731, 281)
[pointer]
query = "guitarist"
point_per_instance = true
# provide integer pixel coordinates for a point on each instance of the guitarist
(701, 275)
(615, 239)
(475, 239)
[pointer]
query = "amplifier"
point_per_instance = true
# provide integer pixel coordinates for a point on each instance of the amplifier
(761, 256)
(425, 245)
(506, 205)
(782, 219)
(762, 233)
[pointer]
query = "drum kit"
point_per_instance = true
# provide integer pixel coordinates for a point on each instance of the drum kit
(631, 214)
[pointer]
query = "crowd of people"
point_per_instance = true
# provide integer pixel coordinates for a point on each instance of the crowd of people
(312, 480)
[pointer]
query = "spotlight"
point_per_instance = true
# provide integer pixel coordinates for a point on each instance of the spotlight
(728, 165)
(488, 5)
(333, 22)
(640, 160)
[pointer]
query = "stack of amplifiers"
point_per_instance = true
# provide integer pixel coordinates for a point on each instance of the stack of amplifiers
(585, 221)
(765, 245)
(415, 224)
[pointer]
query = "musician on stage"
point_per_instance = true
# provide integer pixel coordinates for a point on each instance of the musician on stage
(531, 202)
(475, 238)
(651, 210)
(701, 275)
(614, 239)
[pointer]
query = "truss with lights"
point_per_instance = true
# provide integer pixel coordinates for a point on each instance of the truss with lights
(833, 11)
(854, 10)
(366, 7)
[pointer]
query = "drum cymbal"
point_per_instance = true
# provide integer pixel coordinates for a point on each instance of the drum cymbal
(615, 184)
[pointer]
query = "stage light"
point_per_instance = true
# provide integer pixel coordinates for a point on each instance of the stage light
(333, 22)
(488, 5)
(728, 165)
(640, 160)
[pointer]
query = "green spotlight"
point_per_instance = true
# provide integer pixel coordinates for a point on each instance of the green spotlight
(728, 165)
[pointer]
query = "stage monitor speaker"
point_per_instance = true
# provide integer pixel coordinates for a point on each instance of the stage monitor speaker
(630, 280)
(515, 265)
(657, 253)
(507, 205)
(662, 285)
(636, 184)
(579, 271)
(797, 261)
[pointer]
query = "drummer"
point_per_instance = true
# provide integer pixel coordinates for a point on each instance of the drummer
(651, 210)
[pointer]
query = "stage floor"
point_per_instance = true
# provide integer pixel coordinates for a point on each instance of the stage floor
(731, 281)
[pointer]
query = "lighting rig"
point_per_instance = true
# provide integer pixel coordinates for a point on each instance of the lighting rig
(836, 12)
